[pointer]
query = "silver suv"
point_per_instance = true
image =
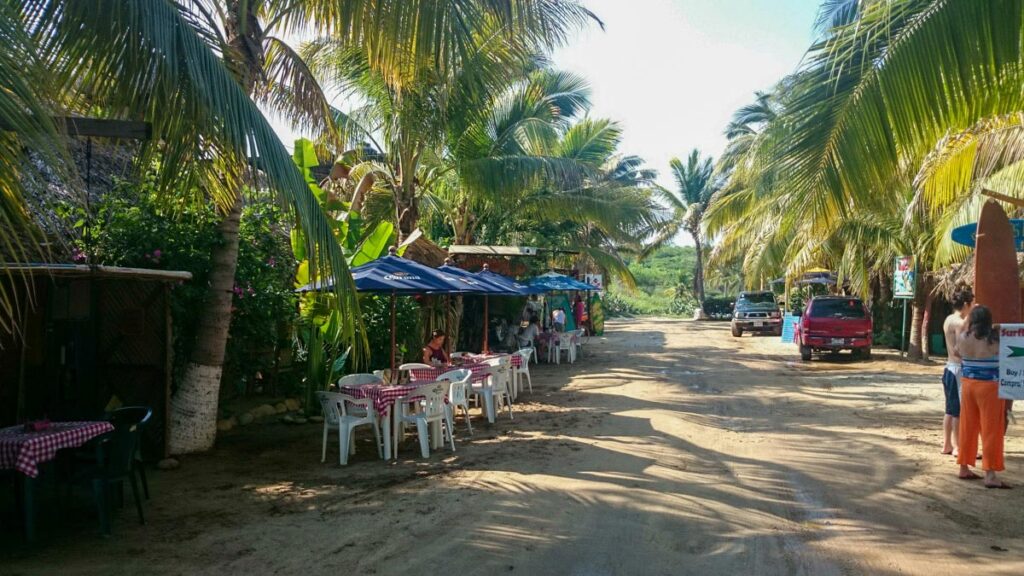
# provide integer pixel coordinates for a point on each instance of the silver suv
(756, 312)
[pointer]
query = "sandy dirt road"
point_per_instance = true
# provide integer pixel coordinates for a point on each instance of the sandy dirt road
(672, 448)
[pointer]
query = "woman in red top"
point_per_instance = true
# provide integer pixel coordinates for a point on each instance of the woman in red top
(433, 352)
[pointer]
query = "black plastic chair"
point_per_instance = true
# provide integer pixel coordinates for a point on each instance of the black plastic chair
(137, 416)
(115, 455)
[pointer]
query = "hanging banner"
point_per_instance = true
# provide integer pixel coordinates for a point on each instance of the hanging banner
(903, 278)
(594, 280)
(1011, 361)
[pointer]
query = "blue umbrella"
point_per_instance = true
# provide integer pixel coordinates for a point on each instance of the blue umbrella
(478, 284)
(481, 285)
(393, 275)
(514, 287)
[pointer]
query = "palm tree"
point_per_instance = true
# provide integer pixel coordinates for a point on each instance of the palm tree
(412, 118)
(194, 68)
(695, 185)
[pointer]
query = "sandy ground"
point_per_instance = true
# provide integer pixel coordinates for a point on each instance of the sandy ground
(671, 448)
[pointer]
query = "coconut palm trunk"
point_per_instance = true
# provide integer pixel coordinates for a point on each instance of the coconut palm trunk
(698, 271)
(915, 350)
(194, 405)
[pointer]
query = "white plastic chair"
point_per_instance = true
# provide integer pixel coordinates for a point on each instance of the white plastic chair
(361, 379)
(430, 409)
(566, 345)
(579, 340)
(553, 349)
(524, 367)
(495, 389)
(405, 374)
(458, 393)
(346, 413)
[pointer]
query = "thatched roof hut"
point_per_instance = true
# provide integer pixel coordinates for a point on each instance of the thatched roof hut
(420, 249)
(952, 277)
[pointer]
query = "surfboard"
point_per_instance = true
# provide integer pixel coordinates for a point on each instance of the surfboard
(996, 279)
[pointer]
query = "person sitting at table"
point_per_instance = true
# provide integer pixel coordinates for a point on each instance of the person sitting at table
(558, 319)
(433, 352)
(529, 334)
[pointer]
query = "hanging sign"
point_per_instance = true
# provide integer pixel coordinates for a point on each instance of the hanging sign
(594, 280)
(903, 278)
(1011, 361)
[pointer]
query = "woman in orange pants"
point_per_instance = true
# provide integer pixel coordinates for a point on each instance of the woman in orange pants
(981, 409)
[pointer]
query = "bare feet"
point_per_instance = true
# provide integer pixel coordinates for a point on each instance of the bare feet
(993, 481)
(966, 474)
(999, 485)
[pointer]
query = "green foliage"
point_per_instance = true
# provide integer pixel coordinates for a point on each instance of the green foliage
(139, 226)
(408, 333)
(664, 285)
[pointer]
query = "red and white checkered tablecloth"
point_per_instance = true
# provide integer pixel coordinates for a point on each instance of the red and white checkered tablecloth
(517, 360)
(478, 370)
(24, 451)
(383, 397)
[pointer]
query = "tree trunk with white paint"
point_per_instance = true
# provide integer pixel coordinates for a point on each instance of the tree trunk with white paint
(194, 405)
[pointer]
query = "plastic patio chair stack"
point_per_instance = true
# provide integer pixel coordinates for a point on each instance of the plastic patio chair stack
(430, 408)
(523, 370)
(458, 393)
(346, 413)
(495, 388)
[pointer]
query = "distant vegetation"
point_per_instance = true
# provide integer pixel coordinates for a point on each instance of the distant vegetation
(664, 282)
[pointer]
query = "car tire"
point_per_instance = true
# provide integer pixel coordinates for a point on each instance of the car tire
(863, 353)
(737, 332)
(805, 353)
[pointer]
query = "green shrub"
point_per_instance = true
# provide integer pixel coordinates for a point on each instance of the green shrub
(134, 226)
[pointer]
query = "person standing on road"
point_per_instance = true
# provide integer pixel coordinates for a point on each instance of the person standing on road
(558, 319)
(982, 408)
(953, 325)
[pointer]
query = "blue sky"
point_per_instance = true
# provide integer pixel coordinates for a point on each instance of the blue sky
(673, 71)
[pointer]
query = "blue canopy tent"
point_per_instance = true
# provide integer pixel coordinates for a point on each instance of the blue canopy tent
(398, 276)
(555, 282)
(514, 287)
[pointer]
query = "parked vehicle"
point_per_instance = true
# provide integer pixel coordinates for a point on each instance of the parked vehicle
(834, 323)
(756, 312)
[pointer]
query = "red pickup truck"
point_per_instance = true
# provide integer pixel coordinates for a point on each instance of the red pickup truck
(834, 323)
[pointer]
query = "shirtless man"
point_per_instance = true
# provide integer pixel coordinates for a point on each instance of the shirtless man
(953, 325)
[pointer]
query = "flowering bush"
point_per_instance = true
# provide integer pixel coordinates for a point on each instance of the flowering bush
(134, 226)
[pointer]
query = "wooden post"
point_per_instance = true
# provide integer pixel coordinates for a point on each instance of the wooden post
(168, 367)
(486, 299)
(393, 298)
